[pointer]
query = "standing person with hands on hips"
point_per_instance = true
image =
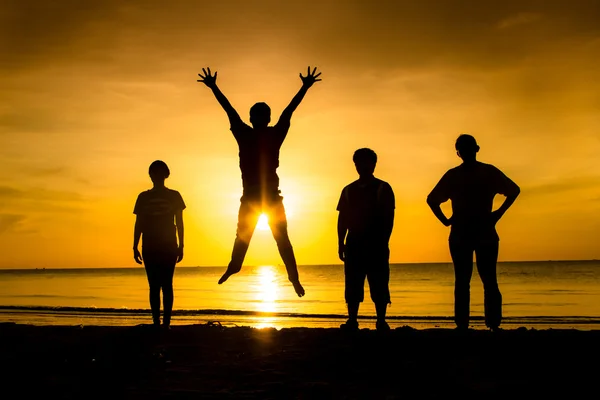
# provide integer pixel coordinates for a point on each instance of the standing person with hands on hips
(471, 187)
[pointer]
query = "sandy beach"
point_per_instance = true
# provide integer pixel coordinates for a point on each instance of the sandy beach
(210, 361)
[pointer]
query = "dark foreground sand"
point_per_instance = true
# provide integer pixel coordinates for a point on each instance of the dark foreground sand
(206, 362)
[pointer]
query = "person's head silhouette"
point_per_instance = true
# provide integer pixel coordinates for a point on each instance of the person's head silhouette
(260, 115)
(365, 161)
(158, 172)
(466, 147)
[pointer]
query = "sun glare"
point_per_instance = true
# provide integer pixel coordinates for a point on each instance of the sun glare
(266, 322)
(263, 223)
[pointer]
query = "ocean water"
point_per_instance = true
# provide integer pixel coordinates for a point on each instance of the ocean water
(561, 294)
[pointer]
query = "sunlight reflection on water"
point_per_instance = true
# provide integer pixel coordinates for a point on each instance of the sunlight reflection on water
(267, 289)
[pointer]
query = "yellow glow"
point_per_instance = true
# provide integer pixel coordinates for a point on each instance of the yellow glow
(267, 290)
(69, 180)
(266, 322)
(263, 223)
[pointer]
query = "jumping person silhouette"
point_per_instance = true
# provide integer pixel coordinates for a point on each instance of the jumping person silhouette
(259, 147)
(155, 211)
(471, 187)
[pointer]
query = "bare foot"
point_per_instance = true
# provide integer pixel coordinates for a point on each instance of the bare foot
(230, 271)
(298, 288)
(225, 276)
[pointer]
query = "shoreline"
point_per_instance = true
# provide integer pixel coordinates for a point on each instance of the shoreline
(75, 316)
(212, 361)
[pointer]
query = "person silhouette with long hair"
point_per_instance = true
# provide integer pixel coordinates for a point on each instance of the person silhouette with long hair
(259, 147)
(159, 221)
(365, 222)
(471, 187)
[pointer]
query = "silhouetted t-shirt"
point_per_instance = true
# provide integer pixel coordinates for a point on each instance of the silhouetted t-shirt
(156, 209)
(472, 188)
(259, 156)
(365, 205)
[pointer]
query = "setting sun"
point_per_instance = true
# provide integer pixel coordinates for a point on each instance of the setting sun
(263, 223)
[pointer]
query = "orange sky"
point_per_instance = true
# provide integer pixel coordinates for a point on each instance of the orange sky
(92, 93)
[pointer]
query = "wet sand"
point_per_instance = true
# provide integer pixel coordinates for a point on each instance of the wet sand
(213, 362)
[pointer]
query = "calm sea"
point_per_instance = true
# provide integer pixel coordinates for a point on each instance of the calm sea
(563, 294)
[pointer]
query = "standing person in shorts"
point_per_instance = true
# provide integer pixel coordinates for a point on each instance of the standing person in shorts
(471, 187)
(365, 223)
(159, 221)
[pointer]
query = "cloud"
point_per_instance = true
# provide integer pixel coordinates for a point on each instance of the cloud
(10, 193)
(519, 19)
(39, 194)
(141, 37)
(36, 201)
(34, 29)
(30, 121)
(47, 171)
(564, 185)
(10, 222)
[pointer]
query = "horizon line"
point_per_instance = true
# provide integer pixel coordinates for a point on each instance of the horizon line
(300, 265)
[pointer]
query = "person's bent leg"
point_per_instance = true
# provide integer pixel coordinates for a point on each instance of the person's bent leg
(462, 258)
(247, 219)
(378, 276)
(151, 266)
(487, 257)
(278, 225)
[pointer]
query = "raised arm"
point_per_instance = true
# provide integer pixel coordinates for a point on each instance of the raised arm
(211, 81)
(307, 82)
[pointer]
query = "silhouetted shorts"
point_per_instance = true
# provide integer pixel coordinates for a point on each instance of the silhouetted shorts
(160, 266)
(372, 264)
(250, 210)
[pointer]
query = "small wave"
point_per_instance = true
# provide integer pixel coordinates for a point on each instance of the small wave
(559, 320)
(52, 296)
